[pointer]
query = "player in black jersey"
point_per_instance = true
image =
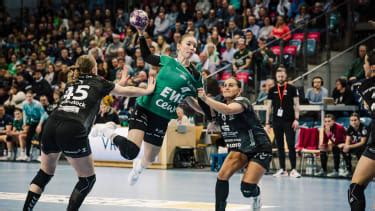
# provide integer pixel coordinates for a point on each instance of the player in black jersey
(365, 170)
(68, 127)
(246, 139)
(355, 142)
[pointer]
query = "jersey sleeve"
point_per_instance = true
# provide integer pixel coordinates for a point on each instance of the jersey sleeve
(294, 91)
(244, 102)
(108, 86)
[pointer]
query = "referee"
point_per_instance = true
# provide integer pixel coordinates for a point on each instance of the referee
(284, 102)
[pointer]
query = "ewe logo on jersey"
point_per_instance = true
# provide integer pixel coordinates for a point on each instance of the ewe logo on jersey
(173, 98)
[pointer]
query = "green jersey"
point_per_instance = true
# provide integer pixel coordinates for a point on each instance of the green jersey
(173, 84)
(18, 124)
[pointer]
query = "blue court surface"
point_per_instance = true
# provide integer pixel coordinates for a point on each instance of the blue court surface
(182, 189)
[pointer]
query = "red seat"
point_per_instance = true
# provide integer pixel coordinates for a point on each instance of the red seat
(243, 76)
(291, 50)
(276, 50)
(314, 35)
(298, 36)
(226, 75)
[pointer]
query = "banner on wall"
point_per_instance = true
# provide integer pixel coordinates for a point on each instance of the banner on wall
(104, 150)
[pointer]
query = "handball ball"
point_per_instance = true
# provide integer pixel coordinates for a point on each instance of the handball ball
(139, 19)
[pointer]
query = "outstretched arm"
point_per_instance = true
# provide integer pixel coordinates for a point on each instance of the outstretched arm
(131, 91)
(193, 103)
(146, 53)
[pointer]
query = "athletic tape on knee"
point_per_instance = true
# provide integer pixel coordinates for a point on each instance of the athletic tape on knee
(249, 189)
(356, 197)
(41, 179)
(127, 148)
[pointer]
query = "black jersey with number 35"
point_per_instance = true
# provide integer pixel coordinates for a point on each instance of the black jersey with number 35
(242, 131)
(81, 100)
(367, 91)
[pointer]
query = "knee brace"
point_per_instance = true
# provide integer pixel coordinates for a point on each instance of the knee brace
(81, 190)
(85, 184)
(127, 148)
(41, 179)
(356, 197)
(249, 190)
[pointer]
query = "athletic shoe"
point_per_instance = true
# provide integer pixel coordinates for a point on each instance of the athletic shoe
(344, 173)
(39, 159)
(294, 173)
(257, 203)
(22, 158)
(135, 172)
(8, 157)
(106, 129)
(333, 174)
(321, 173)
(281, 173)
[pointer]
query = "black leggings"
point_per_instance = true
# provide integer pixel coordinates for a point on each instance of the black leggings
(336, 158)
(29, 137)
(279, 129)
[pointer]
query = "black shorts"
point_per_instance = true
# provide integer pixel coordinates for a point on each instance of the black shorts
(67, 136)
(152, 124)
(261, 155)
(370, 149)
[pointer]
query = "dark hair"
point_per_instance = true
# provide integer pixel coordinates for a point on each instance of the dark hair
(17, 109)
(331, 116)
(317, 77)
(355, 114)
(281, 68)
(238, 82)
(342, 81)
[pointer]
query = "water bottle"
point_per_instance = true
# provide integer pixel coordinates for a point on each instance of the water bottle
(309, 166)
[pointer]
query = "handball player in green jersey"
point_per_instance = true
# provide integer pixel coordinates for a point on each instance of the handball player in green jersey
(176, 81)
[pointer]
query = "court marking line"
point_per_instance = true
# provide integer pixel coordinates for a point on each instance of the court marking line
(124, 202)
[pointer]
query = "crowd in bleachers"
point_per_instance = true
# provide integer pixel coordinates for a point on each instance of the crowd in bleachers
(39, 50)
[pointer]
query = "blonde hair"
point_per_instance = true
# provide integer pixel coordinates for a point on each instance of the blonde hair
(85, 64)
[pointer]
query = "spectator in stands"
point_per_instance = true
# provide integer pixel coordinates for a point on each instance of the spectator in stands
(173, 45)
(252, 26)
(51, 75)
(356, 71)
(213, 59)
(317, 92)
(21, 83)
(111, 50)
(5, 128)
(318, 21)
(122, 20)
(333, 135)
(40, 86)
(342, 93)
(161, 45)
(211, 21)
(162, 25)
(355, 143)
(266, 30)
(242, 58)
(232, 29)
(228, 53)
(204, 6)
(64, 57)
(251, 41)
(106, 112)
(301, 18)
(182, 119)
(281, 30)
(264, 59)
(16, 97)
(46, 105)
(121, 53)
(33, 117)
(115, 68)
(184, 15)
